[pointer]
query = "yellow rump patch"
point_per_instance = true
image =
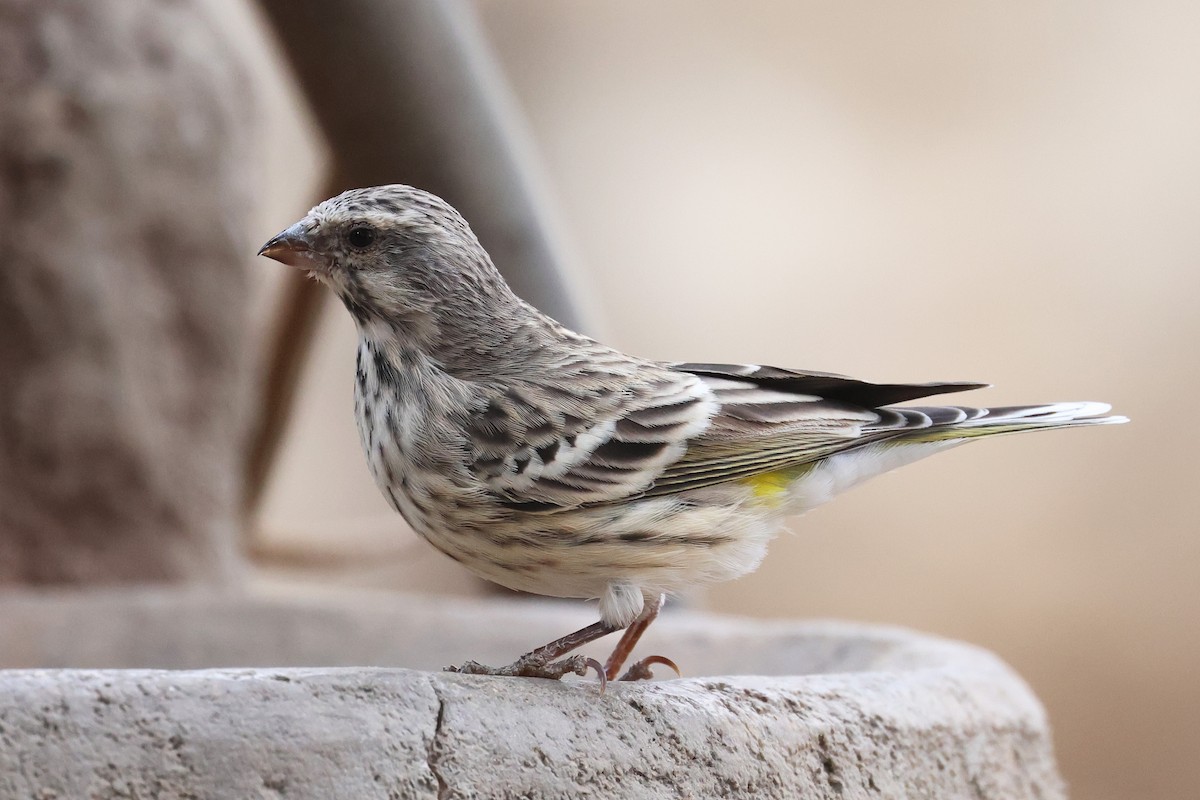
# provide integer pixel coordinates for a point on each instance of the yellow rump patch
(770, 485)
(767, 485)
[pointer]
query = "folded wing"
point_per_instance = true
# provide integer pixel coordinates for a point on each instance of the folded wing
(675, 427)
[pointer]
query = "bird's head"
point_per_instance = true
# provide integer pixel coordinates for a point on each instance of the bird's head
(398, 256)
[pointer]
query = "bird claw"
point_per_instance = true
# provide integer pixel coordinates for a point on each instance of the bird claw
(596, 665)
(526, 667)
(640, 670)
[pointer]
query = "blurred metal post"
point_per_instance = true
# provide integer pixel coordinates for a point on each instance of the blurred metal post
(407, 91)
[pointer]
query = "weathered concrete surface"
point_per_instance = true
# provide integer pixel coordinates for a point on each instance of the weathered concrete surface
(852, 712)
(126, 172)
(367, 733)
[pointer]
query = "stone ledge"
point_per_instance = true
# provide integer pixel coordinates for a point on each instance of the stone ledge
(870, 712)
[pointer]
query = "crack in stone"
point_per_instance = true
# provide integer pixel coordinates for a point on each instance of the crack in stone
(433, 749)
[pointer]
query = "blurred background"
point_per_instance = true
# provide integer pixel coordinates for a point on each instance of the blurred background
(900, 192)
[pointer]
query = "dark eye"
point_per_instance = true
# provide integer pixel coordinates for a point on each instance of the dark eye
(361, 236)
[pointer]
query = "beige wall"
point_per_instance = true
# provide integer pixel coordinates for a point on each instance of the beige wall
(905, 191)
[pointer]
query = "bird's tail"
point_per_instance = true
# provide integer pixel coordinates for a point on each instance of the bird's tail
(960, 422)
(909, 433)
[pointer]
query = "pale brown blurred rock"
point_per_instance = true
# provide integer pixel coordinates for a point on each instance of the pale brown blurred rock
(125, 179)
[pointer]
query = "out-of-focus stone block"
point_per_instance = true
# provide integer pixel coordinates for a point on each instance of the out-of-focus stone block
(126, 175)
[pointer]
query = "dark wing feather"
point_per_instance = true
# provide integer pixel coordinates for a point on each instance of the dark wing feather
(826, 384)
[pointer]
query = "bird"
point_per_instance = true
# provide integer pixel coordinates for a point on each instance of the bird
(547, 462)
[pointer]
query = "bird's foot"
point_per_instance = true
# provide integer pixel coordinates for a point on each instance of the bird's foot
(529, 666)
(640, 670)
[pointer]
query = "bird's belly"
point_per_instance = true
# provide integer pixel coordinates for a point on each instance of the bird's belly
(659, 545)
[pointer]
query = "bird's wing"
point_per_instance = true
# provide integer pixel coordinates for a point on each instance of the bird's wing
(562, 445)
(776, 419)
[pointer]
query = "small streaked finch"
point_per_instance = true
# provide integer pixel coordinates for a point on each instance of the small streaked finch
(549, 463)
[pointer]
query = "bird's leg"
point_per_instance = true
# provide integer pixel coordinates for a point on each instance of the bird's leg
(639, 670)
(540, 663)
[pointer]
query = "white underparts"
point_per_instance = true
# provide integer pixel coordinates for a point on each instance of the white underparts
(621, 603)
(843, 471)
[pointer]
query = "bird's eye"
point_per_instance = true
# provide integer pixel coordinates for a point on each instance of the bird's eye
(361, 236)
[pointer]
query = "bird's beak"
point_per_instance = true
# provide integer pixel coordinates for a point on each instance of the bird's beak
(294, 247)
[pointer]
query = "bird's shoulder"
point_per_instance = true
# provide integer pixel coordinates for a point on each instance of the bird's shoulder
(584, 433)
